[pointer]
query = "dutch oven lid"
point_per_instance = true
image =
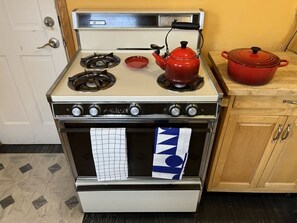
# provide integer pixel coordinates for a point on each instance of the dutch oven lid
(254, 57)
(183, 52)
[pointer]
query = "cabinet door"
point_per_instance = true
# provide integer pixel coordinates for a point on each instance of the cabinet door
(245, 151)
(281, 171)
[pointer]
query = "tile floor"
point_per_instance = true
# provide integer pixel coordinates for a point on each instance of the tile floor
(37, 188)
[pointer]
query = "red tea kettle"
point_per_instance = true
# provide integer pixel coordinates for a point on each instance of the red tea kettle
(182, 64)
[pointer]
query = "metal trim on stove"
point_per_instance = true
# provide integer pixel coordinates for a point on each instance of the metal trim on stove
(207, 110)
(54, 85)
(86, 19)
(213, 79)
(139, 180)
(139, 183)
(80, 130)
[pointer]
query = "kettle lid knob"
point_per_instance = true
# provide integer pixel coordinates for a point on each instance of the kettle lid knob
(183, 44)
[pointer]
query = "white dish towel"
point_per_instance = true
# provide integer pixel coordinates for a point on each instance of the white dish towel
(171, 152)
(109, 153)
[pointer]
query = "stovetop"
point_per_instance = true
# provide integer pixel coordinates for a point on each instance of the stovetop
(132, 84)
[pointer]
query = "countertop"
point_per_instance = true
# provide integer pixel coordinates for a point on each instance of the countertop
(284, 81)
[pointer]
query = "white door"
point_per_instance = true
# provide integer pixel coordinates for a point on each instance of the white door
(26, 73)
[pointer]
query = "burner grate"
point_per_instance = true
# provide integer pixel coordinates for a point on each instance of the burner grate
(166, 84)
(100, 61)
(91, 81)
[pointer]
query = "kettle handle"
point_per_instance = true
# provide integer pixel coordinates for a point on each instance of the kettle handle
(156, 48)
(188, 26)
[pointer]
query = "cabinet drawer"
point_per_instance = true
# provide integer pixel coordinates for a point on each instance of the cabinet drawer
(264, 102)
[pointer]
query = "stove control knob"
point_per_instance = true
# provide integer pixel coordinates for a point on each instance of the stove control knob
(174, 110)
(77, 110)
(134, 109)
(192, 110)
(94, 110)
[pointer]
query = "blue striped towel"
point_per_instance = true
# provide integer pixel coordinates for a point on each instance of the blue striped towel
(170, 152)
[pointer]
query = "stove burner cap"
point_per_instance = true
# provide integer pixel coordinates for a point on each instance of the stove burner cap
(100, 61)
(89, 81)
(180, 85)
(166, 84)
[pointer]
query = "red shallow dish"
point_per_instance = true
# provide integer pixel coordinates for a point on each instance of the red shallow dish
(136, 61)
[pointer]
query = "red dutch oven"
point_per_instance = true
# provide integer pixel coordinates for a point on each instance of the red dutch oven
(252, 66)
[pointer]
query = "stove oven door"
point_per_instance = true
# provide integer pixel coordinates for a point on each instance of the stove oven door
(141, 192)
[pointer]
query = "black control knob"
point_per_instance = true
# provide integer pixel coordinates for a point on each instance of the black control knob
(192, 110)
(134, 109)
(174, 110)
(94, 110)
(77, 110)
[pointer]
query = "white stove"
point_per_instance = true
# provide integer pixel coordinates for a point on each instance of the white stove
(135, 99)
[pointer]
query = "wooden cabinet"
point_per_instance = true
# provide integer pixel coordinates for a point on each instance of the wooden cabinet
(256, 145)
(281, 170)
(258, 153)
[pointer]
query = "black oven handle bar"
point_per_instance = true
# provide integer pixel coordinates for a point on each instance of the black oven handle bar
(147, 187)
(128, 130)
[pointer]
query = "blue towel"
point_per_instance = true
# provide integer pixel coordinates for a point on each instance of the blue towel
(170, 152)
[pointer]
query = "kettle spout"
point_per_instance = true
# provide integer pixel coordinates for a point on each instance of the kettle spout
(160, 60)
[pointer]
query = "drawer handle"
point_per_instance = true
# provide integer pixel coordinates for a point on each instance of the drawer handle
(290, 102)
(286, 133)
(277, 133)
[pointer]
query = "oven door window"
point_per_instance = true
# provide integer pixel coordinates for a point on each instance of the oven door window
(140, 146)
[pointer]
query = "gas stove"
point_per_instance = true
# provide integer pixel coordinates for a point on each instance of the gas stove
(100, 82)
(113, 83)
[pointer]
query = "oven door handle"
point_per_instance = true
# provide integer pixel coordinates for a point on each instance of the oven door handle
(128, 130)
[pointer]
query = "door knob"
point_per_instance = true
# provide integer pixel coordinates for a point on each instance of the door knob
(53, 43)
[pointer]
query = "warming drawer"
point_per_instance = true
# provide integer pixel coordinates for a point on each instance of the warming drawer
(147, 195)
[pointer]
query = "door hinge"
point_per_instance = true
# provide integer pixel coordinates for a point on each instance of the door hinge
(59, 21)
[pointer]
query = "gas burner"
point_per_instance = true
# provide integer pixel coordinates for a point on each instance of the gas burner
(165, 83)
(100, 61)
(91, 81)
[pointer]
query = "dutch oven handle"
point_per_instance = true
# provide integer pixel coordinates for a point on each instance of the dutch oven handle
(283, 63)
(225, 54)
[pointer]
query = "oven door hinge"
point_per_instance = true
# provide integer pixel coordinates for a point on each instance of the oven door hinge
(211, 127)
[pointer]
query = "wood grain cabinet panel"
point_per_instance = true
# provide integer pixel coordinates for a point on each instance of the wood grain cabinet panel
(256, 154)
(246, 147)
(281, 170)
